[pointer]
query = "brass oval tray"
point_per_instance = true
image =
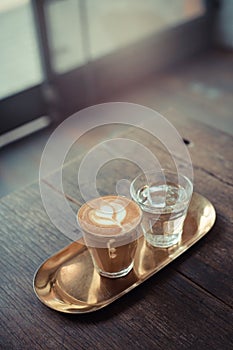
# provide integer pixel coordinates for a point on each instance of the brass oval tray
(68, 282)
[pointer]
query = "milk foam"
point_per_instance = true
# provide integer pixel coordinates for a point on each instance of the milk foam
(108, 215)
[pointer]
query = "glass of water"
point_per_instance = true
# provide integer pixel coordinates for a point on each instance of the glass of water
(164, 198)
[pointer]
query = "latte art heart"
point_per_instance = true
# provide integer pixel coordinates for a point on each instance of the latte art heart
(108, 215)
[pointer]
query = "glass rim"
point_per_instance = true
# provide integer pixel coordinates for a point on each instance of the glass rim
(102, 235)
(155, 210)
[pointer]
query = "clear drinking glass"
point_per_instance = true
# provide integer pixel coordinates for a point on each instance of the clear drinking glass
(164, 199)
(111, 227)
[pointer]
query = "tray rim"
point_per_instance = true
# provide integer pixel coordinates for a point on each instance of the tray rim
(101, 305)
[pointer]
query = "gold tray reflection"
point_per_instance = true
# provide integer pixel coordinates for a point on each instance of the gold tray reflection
(68, 282)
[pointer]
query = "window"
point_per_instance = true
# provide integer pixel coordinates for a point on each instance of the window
(61, 55)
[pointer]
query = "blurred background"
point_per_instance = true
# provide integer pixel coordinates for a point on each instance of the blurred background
(59, 56)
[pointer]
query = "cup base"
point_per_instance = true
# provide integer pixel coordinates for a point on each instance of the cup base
(117, 274)
(163, 241)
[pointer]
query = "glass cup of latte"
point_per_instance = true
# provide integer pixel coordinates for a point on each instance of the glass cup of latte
(111, 227)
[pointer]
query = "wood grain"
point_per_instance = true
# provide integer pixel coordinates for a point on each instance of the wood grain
(188, 305)
(214, 253)
(167, 307)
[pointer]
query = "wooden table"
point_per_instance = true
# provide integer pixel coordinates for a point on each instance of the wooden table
(187, 305)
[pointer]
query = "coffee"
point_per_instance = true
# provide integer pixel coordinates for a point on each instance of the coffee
(110, 230)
